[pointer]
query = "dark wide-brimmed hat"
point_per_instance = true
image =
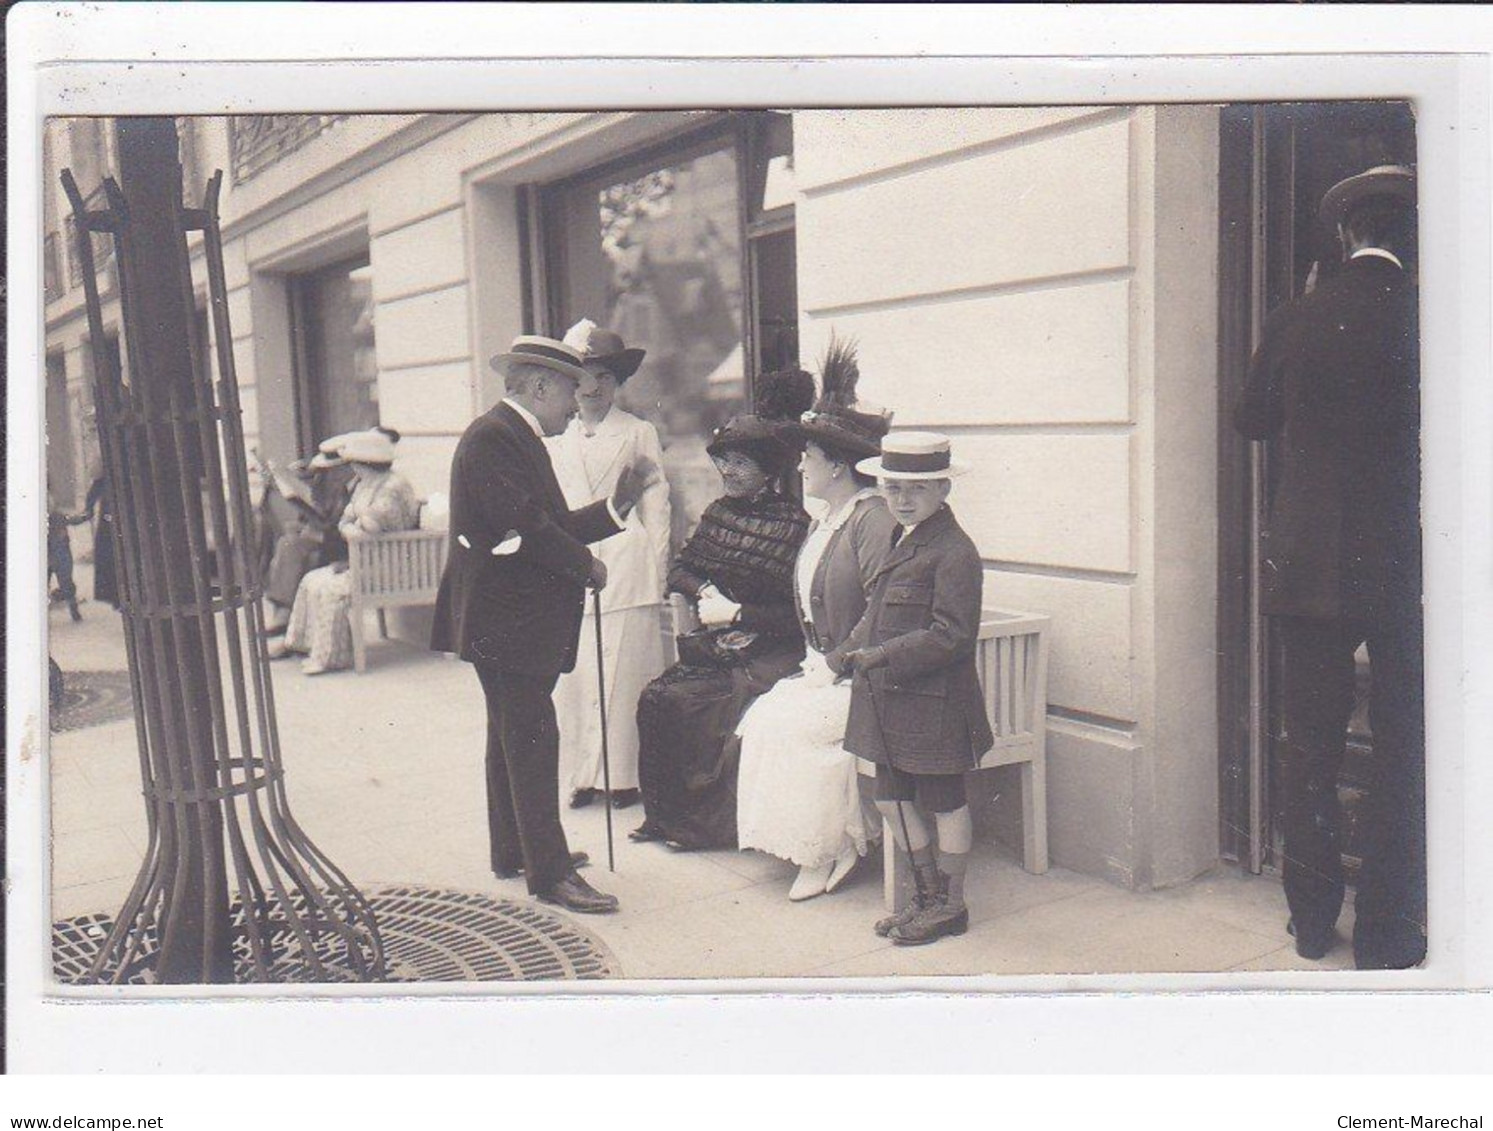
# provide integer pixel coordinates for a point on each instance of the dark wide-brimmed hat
(605, 347)
(532, 349)
(768, 434)
(844, 431)
(838, 422)
(1391, 182)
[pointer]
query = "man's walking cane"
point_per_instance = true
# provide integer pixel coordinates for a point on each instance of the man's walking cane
(601, 698)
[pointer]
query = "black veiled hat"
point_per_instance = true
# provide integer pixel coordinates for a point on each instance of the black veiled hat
(767, 435)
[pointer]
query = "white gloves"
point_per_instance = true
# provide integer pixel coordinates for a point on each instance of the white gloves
(716, 610)
(816, 671)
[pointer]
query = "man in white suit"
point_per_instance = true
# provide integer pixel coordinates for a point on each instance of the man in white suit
(588, 457)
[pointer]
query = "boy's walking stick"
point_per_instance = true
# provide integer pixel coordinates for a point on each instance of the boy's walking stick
(601, 698)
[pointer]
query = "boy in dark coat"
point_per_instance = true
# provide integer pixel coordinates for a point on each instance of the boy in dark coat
(916, 708)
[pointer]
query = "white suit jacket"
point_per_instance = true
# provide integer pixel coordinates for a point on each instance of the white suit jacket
(587, 467)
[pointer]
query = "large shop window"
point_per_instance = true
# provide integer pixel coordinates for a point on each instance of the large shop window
(336, 367)
(688, 252)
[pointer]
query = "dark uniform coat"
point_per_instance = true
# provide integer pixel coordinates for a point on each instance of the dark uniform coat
(519, 611)
(1336, 383)
(924, 711)
(1335, 387)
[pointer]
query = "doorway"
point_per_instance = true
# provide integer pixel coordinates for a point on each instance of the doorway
(336, 367)
(62, 482)
(1275, 163)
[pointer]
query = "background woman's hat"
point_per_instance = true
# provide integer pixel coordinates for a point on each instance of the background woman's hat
(914, 455)
(533, 349)
(368, 447)
(329, 452)
(605, 347)
(1397, 182)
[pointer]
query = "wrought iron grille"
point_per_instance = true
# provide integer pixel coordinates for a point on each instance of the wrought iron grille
(430, 935)
(220, 830)
(259, 140)
(52, 267)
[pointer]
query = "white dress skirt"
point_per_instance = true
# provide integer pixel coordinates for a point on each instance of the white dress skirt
(797, 794)
(634, 652)
(319, 624)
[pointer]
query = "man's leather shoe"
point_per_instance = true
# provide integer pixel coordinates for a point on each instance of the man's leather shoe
(575, 894)
(625, 798)
(577, 860)
(583, 797)
(1399, 946)
(1311, 945)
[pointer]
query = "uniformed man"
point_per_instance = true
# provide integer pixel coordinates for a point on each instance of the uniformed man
(1335, 389)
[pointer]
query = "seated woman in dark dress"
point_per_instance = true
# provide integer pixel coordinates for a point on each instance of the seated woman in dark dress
(737, 567)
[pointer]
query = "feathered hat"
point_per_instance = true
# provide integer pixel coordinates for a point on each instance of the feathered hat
(766, 433)
(838, 421)
(605, 347)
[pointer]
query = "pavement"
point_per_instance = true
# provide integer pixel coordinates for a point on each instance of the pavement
(384, 771)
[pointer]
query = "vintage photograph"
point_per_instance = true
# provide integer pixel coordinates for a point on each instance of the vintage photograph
(730, 545)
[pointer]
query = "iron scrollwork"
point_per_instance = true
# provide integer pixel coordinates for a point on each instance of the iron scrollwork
(259, 140)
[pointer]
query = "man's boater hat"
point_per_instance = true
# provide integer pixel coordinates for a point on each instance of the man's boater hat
(1392, 182)
(531, 349)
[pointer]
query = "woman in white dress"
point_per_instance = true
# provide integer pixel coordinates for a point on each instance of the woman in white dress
(798, 792)
(382, 501)
(588, 457)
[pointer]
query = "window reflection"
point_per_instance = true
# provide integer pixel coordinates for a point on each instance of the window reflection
(338, 369)
(656, 256)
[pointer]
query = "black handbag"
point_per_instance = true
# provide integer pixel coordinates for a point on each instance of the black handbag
(715, 648)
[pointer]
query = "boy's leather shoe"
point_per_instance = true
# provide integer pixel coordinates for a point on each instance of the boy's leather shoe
(909, 912)
(937, 920)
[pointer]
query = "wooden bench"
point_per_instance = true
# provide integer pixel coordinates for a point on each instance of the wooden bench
(1012, 665)
(392, 571)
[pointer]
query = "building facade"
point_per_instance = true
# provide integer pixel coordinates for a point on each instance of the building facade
(1041, 283)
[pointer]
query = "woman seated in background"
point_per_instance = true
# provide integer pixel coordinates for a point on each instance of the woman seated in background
(798, 793)
(382, 501)
(738, 568)
(308, 538)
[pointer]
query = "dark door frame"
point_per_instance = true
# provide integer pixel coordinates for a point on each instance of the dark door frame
(1257, 217)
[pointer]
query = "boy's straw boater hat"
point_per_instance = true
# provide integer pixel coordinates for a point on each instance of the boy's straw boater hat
(532, 349)
(605, 347)
(913, 455)
(1392, 182)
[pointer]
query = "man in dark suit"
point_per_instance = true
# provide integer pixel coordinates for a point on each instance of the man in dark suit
(1335, 387)
(512, 599)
